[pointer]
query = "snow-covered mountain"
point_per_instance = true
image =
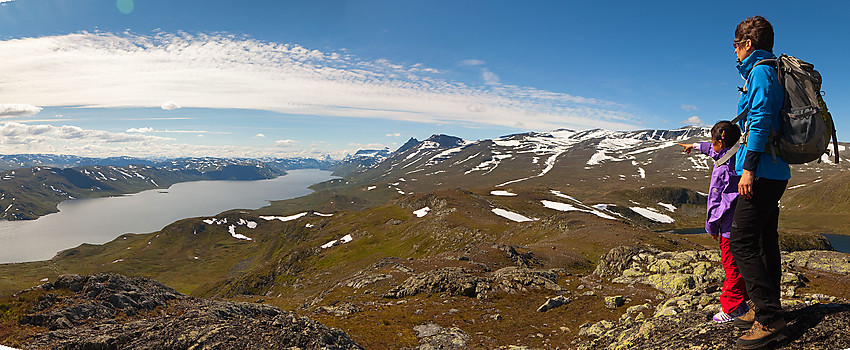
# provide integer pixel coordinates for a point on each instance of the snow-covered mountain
(601, 171)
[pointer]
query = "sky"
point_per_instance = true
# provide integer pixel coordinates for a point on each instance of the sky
(165, 78)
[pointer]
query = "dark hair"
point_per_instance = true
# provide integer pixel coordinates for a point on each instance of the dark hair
(725, 132)
(758, 30)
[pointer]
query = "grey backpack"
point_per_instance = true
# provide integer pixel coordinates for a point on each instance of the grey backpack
(806, 125)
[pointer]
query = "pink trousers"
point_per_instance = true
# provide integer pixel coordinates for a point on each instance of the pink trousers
(734, 290)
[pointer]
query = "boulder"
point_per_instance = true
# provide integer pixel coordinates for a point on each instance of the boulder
(432, 336)
(553, 303)
(616, 260)
(614, 302)
(676, 283)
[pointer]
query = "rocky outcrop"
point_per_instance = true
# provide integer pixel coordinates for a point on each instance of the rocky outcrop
(341, 309)
(109, 311)
(616, 260)
(97, 297)
(462, 281)
(432, 337)
(830, 261)
(691, 283)
(817, 326)
(797, 241)
(453, 280)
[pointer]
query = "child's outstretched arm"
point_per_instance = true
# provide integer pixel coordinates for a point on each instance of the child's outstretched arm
(688, 147)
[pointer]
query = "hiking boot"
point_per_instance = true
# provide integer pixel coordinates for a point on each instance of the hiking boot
(722, 317)
(760, 335)
(745, 321)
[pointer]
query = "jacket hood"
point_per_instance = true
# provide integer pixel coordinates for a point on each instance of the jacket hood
(748, 63)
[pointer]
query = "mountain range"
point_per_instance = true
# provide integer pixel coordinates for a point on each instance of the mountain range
(533, 240)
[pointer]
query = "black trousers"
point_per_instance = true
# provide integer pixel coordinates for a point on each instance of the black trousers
(755, 246)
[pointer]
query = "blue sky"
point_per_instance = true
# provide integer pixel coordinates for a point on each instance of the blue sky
(309, 78)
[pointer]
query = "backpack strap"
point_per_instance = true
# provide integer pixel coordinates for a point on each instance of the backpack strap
(835, 143)
(729, 154)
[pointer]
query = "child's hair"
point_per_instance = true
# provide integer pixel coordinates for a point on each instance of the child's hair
(725, 132)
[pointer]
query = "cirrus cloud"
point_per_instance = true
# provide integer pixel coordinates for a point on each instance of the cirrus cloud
(225, 71)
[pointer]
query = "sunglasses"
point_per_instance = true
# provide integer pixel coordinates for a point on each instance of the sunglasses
(736, 43)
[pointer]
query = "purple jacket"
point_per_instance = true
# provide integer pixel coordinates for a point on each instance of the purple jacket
(722, 193)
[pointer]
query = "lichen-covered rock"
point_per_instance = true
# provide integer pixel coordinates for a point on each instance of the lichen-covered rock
(518, 279)
(675, 283)
(165, 319)
(97, 297)
(462, 281)
(818, 326)
(830, 261)
(614, 302)
(453, 280)
(616, 260)
(363, 281)
(432, 337)
(341, 309)
(597, 329)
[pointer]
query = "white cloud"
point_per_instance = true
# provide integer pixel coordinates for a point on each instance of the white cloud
(26, 134)
(285, 143)
(223, 71)
(396, 134)
(140, 130)
(18, 110)
(694, 120)
(489, 77)
(689, 108)
(169, 106)
(261, 136)
(471, 62)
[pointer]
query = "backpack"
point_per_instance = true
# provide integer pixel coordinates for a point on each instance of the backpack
(806, 125)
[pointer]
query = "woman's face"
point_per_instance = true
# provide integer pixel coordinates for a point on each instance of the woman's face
(743, 49)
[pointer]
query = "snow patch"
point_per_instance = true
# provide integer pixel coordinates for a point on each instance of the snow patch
(798, 186)
(559, 194)
(508, 143)
(510, 215)
(502, 193)
(568, 207)
(652, 215)
(284, 218)
(421, 212)
(670, 207)
(232, 230)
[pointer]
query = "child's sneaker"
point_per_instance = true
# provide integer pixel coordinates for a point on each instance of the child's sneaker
(722, 317)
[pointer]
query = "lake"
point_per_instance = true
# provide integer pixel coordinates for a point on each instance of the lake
(100, 220)
(841, 243)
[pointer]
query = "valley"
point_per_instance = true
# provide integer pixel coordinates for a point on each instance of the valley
(449, 243)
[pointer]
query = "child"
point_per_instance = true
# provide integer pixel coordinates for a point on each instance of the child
(722, 196)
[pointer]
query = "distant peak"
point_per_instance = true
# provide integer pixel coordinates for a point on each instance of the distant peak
(412, 142)
(446, 140)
